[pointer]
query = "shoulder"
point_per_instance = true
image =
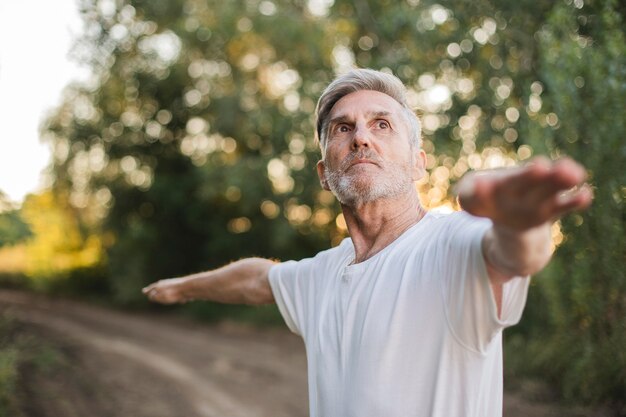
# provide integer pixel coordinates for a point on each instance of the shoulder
(457, 228)
(458, 219)
(345, 248)
(322, 260)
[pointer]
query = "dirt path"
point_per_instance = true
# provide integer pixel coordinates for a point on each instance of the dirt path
(167, 364)
(145, 366)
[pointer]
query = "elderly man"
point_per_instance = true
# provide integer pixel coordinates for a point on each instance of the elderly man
(405, 317)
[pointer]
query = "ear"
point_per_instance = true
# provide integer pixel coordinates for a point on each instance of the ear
(419, 164)
(321, 173)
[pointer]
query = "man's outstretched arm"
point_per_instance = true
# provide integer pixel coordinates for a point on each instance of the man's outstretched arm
(522, 203)
(242, 282)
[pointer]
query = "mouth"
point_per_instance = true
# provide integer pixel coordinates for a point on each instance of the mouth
(362, 161)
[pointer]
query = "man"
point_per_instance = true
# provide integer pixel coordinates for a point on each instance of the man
(405, 317)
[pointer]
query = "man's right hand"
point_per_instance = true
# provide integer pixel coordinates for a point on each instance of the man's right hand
(243, 282)
(167, 291)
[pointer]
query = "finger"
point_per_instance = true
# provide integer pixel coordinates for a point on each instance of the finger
(473, 195)
(541, 160)
(530, 176)
(572, 168)
(150, 288)
(566, 174)
(545, 182)
(536, 169)
(520, 182)
(152, 293)
(574, 200)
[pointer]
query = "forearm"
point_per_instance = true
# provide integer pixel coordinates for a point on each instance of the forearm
(517, 253)
(522, 203)
(242, 282)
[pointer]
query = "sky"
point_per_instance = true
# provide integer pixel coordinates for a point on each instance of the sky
(35, 40)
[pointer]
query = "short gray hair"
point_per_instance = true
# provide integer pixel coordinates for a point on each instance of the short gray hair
(364, 79)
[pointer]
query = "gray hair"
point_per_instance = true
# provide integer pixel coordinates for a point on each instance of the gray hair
(364, 79)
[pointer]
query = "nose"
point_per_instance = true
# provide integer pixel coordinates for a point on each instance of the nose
(360, 137)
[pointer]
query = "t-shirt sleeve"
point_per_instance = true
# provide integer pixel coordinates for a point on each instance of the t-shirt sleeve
(291, 288)
(470, 303)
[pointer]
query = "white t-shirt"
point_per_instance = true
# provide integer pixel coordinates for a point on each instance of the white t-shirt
(412, 331)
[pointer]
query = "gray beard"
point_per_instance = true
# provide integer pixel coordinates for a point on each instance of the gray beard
(352, 189)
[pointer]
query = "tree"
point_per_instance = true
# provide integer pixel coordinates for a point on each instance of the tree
(193, 144)
(12, 227)
(580, 347)
(189, 105)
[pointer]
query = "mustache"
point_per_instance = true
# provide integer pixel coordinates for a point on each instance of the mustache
(360, 154)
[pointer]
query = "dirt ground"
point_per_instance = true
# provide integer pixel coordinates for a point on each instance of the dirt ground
(118, 364)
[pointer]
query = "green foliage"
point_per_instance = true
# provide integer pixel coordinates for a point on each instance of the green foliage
(8, 378)
(23, 352)
(193, 145)
(58, 251)
(583, 65)
(212, 312)
(176, 184)
(9, 372)
(12, 228)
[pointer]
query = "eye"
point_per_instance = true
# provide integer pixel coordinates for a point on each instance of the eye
(342, 128)
(382, 124)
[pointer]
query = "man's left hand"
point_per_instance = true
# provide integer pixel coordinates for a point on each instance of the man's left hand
(528, 196)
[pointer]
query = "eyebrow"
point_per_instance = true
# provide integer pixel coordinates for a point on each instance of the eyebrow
(342, 118)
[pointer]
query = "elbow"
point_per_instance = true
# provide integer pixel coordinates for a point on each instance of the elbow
(259, 291)
(262, 296)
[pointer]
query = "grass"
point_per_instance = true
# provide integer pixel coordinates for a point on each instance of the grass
(9, 359)
(20, 350)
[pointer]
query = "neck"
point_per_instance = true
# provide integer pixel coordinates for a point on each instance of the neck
(375, 225)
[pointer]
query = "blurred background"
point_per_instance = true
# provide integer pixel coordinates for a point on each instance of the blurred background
(185, 141)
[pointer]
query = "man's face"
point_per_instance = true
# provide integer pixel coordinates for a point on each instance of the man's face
(368, 153)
